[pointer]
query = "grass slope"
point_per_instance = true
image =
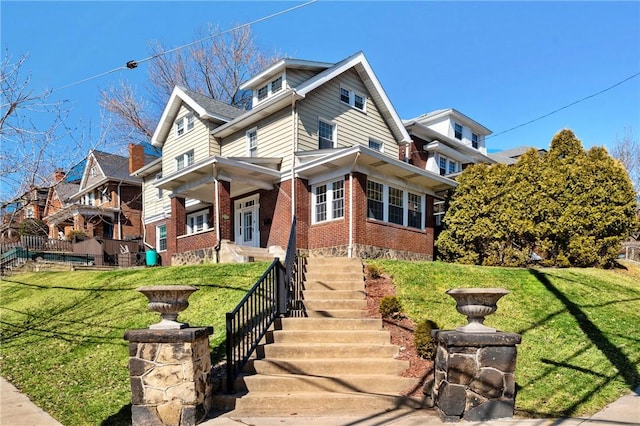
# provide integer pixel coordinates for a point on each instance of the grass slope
(580, 327)
(62, 333)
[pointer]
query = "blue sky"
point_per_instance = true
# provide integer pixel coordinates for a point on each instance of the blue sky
(500, 63)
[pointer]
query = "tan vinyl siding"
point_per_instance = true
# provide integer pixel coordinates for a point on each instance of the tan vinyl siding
(152, 205)
(214, 146)
(354, 127)
(196, 139)
(297, 76)
(274, 137)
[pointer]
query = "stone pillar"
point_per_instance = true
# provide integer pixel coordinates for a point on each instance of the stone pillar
(170, 376)
(474, 375)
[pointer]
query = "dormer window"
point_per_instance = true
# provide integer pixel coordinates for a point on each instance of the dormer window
(271, 88)
(184, 124)
(352, 98)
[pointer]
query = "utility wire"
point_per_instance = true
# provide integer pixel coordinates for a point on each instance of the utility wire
(133, 64)
(564, 107)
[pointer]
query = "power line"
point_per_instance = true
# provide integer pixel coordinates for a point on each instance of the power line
(565, 107)
(133, 64)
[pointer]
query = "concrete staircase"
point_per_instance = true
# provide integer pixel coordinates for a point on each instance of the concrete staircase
(336, 360)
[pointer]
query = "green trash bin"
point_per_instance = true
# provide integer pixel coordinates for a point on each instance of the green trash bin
(152, 258)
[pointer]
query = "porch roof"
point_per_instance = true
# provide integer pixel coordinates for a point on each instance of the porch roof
(70, 211)
(245, 174)
(319, 164)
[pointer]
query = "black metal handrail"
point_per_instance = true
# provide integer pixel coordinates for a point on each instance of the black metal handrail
(273, 295)
(293, 276)
(248, 323)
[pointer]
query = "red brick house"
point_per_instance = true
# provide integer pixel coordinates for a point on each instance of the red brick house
(320, 142)
(104, 202)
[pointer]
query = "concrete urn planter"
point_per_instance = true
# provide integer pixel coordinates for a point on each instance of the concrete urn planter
(476, 304)
(168, 301)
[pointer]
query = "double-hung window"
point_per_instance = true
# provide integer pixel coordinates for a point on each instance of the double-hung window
(457, 131)
(161, 237)
(352, 98)
(184, 160)
(375, 200)
(197, 222)
(396, 205)
(447, 165)
(184, 124)
(328, 201)
(252, 142)
(326, 134)
(414, 211)
(474, 140)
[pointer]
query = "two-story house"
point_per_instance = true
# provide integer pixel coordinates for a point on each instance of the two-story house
(104, 201)
(320, 143)
(446, 142)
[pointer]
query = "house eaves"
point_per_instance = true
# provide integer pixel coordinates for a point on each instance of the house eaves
(180, 95)
(453, 113)
(424, 132)
(281, 66)
(149, 169)
(363, 159)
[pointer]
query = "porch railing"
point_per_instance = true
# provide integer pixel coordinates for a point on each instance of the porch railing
(270, 297)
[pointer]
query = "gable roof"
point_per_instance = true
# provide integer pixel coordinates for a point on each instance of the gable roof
(357, 61)
(205, 107)
(112, 167)
(280, 66)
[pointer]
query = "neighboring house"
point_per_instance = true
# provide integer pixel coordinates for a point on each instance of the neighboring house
(29, 205)
(104, 202)
(510, 156)
(321, 142)
(446, 142)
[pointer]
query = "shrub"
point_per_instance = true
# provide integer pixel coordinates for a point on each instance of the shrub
(425, 346)
(389, 306)
(374, 272)
(33, 227)
(76, 235)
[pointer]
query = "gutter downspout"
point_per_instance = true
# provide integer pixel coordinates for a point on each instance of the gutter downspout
(350, 247)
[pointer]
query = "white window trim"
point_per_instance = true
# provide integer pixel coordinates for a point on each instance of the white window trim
(184, 121)
(448, 161)
(267, 84)
(378, 142)
(335, 131)
(248, 139)
(185, 159)
(158, 237)
(205, 221)
(405, 205)
(329, 201)
(352, 99)
(461, 131)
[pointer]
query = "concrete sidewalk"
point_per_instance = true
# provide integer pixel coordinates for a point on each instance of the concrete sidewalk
(17, 410)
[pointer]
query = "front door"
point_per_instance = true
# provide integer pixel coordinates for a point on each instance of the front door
(247, 230)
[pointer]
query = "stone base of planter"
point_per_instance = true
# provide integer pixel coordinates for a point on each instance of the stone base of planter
(170, 376)
(474, 375)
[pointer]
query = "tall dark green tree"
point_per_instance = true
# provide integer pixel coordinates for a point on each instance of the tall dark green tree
(571, 207)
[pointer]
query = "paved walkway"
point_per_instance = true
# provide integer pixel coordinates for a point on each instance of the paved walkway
(17, 410)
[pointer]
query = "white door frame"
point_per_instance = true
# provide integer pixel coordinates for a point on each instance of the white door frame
(247, 208)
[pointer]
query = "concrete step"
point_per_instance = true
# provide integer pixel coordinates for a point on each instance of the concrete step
(326, 366)
(334, 294)
(314, 404)
(329, 336)
(338, 313)
(328, 305)
(317, 261)
(331, 276)
(328, 324)
(341, 268)
(327, 350)
(314, 285)
(372, 383)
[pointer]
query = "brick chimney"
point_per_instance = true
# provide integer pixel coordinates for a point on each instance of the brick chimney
(58, 175)
(136, 157)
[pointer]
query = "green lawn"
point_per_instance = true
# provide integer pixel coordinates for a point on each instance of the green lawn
(62, 333)
(580, 327)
